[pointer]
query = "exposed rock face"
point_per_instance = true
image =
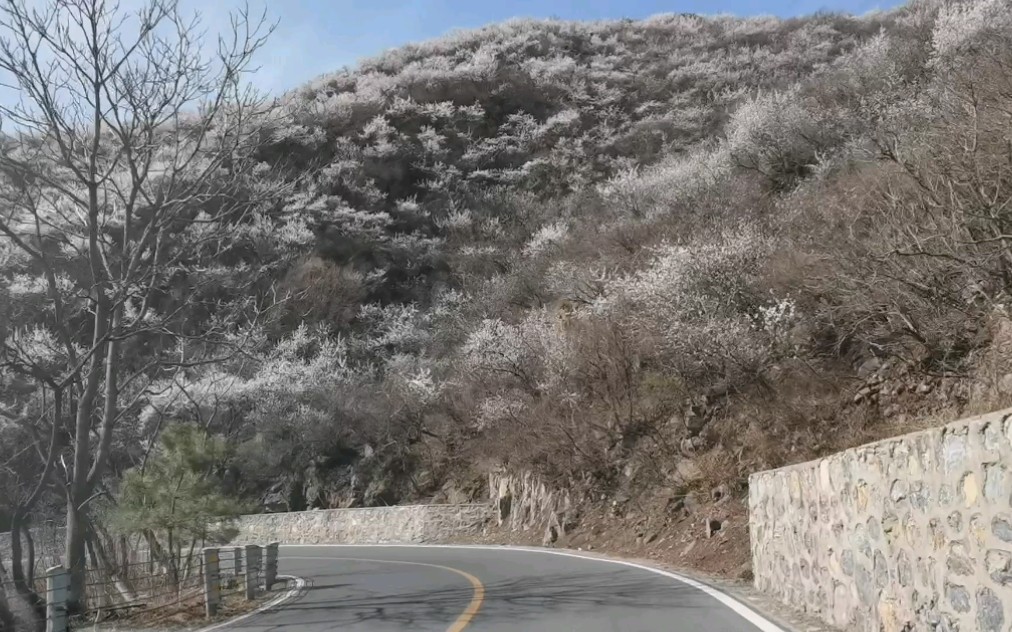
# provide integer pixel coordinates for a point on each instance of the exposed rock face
(523, 502)
(371, 525)
(911, 533)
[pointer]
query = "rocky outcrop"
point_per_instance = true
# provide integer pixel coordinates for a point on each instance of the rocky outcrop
(524, 502)
(911, 533)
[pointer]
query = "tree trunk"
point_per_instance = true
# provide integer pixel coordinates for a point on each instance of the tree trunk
(74, 559)
(36, 602)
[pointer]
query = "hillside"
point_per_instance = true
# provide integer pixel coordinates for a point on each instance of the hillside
(597, 250)
(637, 260)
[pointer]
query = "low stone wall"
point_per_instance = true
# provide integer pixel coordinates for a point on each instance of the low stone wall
(372, 525)
(911, 533)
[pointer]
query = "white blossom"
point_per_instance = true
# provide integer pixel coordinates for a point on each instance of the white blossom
(547, 236)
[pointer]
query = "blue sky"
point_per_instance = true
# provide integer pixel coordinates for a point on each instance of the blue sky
(315, 37)
(319, 36)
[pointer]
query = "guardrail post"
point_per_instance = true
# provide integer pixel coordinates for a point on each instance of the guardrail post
(212, 581)
(57, 583)
(252, 563)
(270, 564)
(237, 560)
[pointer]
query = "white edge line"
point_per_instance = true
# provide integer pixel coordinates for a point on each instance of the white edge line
(747, 613)
(277, 601)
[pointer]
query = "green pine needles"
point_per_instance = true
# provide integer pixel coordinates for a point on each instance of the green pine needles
(175, 500)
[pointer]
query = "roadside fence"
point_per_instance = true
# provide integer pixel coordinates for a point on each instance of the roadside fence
(150, 592)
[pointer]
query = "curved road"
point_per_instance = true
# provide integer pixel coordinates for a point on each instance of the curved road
(452, 589)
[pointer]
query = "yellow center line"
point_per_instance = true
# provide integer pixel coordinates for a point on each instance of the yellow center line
(472, 608)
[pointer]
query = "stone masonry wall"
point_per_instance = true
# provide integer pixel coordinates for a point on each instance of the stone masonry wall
(372, 525)
(911, 533)
(415, 524)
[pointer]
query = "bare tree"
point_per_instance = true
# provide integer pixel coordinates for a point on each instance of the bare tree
(128, 154)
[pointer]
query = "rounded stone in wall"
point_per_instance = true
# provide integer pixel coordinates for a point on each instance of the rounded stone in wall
(996, 482)
(914, 468)
(944, 494)
(898, 490)
(890, 527)
(955, 521)
(847, 562)
(838, 529)
(925, 574)
(859, 540)
(990, 612)
(1001, 527)
(809, 482)
(978, 529)
(911, 531)
(874, 530)
(958, 597)
(932, 574)
(924, 450)
(819, 599)
(873, 460)
(881, 570)
(958, 560)
(920, 496)
(937, 534)
(999, 566)
(953, 450)
(861, 496)
(866, 587)
(904, 570)
(795, 488)
(969, 489)
(832, 568)
(992, 436)
(825, 478)
(810, 542)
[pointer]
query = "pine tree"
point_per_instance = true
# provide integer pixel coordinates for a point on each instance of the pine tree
(175, 499)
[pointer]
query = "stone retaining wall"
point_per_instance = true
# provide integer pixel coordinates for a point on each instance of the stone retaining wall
(911, 533)
(372, 525)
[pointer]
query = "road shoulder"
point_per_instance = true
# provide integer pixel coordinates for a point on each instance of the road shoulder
(786, 618)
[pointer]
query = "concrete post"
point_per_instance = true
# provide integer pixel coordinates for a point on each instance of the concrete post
(270, 564)
(252, 570)
(212, 581)
(237, 560)
(57, 583)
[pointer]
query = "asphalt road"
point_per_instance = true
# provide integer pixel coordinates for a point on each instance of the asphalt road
(451, 589)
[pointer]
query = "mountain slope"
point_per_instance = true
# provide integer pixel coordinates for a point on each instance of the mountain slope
(635, 261)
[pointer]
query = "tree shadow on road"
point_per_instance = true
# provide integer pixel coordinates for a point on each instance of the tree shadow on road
(508, 603)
